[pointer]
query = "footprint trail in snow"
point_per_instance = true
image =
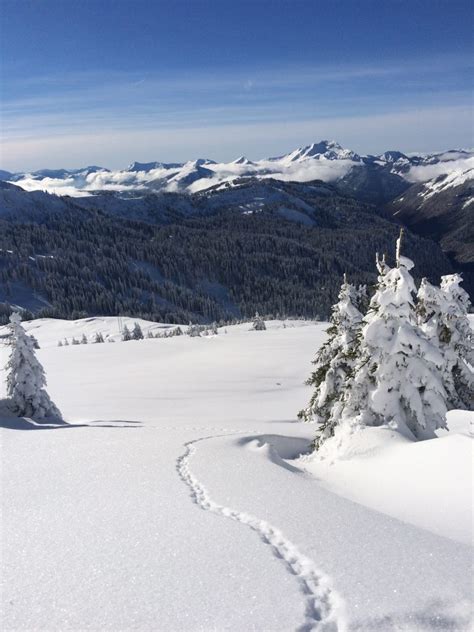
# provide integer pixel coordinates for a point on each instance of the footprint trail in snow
(324, 608)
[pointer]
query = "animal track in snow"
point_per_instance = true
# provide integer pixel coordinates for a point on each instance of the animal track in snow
(324, 608)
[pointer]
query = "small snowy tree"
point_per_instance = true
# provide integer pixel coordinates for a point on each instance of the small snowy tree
(25, 377)
(98, 338)
(60, 344)
(149, 334)
(397, 379)
(84, 339)
(35, 342)
(193, 330)
(442, 314)
(126, 335)
(66, 342)
(258, 323)
(75, 342)
(137, 333)
(334, 363)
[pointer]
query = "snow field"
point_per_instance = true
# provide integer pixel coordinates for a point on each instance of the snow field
(103, 525)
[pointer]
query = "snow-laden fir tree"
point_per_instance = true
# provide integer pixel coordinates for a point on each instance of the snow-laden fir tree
(74, 341)
(442, 313)
(397, 379)
(84, 340)
(137, 333)
(193, 330)
(126, 335)
(26, 380)
(334, 363)
(462, 337)
(98, 338)
(432, 312)
(258, 323)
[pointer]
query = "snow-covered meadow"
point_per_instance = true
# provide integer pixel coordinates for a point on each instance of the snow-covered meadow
(180, 496)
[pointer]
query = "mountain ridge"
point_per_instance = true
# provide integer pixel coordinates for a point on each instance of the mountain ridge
(326, 160)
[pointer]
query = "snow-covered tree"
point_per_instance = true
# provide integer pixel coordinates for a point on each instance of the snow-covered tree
(26, 379)
(126, 335)
(98, 338)
(66, 342)
(84, 339)
(442, 314)
(258, 323)
(462, 337)
(149, 334)
(193, 330)
(334, 363)
(137, 333)
(60, 344)
(397, 380)
(35, 342)
(74, 341)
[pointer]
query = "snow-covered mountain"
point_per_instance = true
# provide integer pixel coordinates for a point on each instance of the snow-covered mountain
(380, 178)
(443, 209)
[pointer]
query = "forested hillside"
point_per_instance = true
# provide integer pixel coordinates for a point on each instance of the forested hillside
(222, 255)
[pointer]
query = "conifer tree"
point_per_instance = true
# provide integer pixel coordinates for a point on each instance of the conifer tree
(334, 363)
(442, 314)
(397, 379)
(26, 379)
(84, 339)
(462, 338)
(193, 330)
(126, 335)
(258, 323)
(137, 333)
(98, 338)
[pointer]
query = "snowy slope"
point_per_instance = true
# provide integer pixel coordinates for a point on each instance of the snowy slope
(177, 500)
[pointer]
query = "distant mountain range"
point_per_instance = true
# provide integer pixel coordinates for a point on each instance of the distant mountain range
(377, 179)
(208, 240)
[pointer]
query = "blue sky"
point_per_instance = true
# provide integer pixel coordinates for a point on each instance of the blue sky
(111, 81)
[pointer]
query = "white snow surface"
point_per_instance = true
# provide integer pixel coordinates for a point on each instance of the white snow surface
(178, 499)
